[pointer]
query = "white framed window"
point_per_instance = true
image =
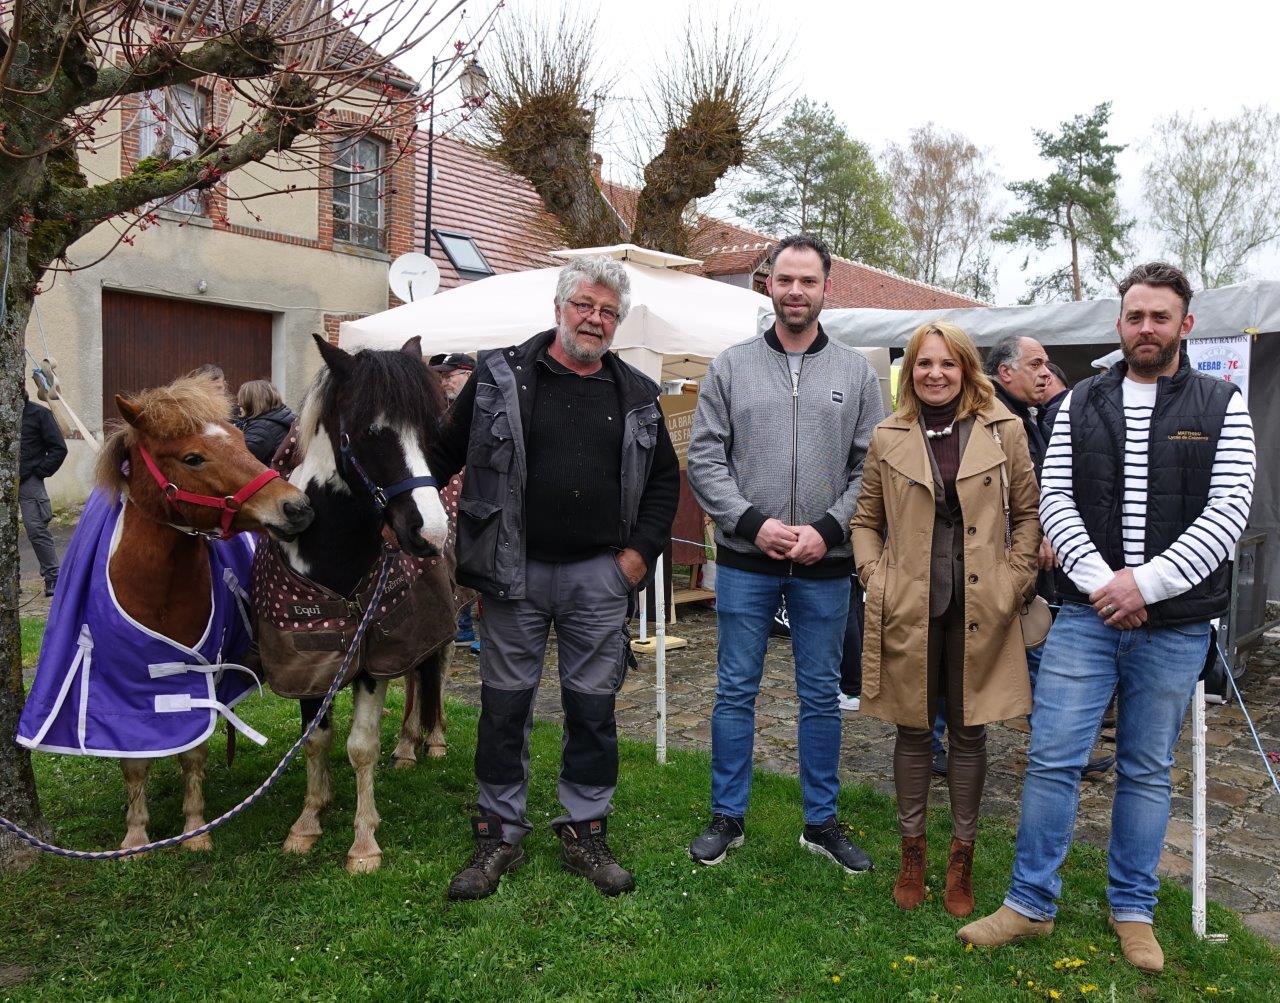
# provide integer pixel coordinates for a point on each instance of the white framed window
(358, 216)
(176, 115)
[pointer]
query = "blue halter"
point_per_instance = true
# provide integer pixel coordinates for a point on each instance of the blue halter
(381, 496)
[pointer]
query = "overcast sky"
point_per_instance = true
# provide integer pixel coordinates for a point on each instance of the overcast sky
(993, 71)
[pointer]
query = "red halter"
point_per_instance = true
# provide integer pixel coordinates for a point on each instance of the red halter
(228, 505)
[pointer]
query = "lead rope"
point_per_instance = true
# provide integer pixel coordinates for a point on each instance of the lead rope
(262, 789)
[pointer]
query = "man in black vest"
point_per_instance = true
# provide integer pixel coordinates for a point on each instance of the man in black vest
(571, 489)
(1145, 491)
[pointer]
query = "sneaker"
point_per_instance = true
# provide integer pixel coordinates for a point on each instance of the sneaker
(585, 852)
(725, 833)
(492, 859)
(939, 766)
(831, 840)
(849, 703)
(475, 647)
(50, 584)
(464, 637)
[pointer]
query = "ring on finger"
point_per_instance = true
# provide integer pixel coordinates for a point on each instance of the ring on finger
(1108, 609)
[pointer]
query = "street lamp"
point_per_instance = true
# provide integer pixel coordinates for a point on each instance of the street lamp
(474, 83)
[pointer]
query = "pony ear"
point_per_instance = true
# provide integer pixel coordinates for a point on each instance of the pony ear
(129, 411)
(338, 361)
(413, 346)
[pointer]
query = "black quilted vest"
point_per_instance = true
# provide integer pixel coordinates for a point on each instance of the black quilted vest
(1185, 426)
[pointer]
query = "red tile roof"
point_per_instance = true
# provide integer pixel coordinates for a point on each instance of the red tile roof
(476, 196)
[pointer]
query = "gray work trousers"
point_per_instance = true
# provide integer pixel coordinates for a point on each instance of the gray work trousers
(36, 509)
(587, 603)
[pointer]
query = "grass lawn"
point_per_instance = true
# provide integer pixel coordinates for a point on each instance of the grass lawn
(248, 923)
(32, 631)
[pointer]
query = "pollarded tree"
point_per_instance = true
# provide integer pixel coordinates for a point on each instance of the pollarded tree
(1213, 189)
(706, 109)
(1076, 204)
(72, 73)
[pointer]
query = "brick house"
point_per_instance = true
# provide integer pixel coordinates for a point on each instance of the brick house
(239, 276)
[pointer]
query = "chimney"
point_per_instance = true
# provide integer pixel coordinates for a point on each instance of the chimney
(597, 166)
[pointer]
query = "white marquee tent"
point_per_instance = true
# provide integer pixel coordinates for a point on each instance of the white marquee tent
(675, 317)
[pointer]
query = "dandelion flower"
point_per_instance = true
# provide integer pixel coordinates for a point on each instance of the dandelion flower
(835, 979)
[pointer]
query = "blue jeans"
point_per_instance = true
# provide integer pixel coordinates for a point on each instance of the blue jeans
(1156, 672)
(818, 609)
(1034, 655)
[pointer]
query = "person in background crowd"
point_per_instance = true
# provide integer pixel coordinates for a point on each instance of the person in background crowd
(264, 418)
(454, 369)
(215, 373)
(951, 466)
(1055, 390)
(851, 657)
(1147, 487)
(40, 455)
(571, 490)
(775, 458)
(1018, 369)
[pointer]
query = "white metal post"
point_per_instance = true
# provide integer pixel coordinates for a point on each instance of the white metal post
(644, 615)
(1199, 879)
(660, 657)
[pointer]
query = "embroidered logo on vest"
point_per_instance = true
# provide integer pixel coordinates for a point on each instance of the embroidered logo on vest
(1188, 435)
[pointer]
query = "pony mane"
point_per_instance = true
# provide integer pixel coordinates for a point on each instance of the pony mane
(381, 384)
(184, 407)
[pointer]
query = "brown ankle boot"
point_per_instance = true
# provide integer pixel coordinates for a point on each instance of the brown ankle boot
(958, 897)
(908, 892)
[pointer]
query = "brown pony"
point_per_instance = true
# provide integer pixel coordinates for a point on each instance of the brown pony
(160, 568)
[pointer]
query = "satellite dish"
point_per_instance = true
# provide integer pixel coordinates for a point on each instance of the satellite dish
(413, 277)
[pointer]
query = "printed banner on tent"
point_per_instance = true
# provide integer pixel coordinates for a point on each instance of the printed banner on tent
(1226, 358)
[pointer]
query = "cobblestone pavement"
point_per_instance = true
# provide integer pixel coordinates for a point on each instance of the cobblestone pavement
(1243, 809)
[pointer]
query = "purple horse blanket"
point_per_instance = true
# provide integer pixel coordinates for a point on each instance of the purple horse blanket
(108, 686)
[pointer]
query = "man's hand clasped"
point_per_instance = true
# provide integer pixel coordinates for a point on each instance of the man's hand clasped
(802, 544)
(1120, 603)
(632, 565)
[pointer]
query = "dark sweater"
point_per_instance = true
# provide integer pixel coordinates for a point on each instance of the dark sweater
(946, 449)
(264, 432)
(43, 447)
(573, 498)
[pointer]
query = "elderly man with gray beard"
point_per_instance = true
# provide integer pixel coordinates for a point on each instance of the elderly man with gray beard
(570, 493)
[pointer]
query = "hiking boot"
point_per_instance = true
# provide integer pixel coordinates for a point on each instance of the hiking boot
(958, 896)
(50, 585)
(908, 890)
(1003, 926)
(585, 852)
(939, 765)
(1140, 947)
(725, 833)
(492, 859)
(831, 840)
(1097, 769)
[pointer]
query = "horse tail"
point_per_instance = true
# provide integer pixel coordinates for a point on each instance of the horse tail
(430, 691)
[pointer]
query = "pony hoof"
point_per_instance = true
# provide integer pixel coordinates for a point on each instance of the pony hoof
(437, 751)
(364, 865)
(403, 763)
(300, 844)
(199, 844)
(133, 842)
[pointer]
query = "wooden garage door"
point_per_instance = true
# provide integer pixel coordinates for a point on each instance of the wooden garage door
(148, 341)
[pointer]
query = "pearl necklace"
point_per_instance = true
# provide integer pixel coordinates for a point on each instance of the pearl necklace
(941, 433)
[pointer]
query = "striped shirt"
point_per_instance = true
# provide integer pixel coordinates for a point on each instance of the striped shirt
(1200, 548)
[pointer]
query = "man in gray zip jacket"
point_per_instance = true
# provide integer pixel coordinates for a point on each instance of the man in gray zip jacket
(571, 489)
(783, 423)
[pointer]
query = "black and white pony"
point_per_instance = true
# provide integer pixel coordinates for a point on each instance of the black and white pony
(363, 438)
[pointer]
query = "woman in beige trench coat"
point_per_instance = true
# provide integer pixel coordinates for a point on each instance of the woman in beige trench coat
(943, 587)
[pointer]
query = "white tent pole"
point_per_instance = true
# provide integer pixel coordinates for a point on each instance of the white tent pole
(644, 615)
(1199, 880)
(660, 657)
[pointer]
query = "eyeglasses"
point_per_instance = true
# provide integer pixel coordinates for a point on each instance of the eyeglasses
(608, 315)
